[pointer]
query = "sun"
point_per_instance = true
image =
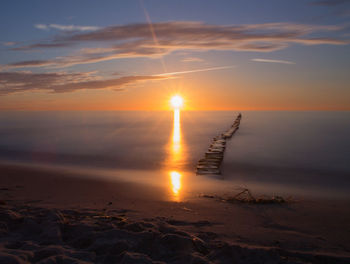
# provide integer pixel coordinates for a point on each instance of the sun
(176, 101)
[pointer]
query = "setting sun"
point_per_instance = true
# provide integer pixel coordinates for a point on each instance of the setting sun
(176, 101)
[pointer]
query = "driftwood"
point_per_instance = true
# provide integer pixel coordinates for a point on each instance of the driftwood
(245, 196)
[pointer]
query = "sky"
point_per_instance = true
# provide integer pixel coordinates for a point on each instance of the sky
(136, 54)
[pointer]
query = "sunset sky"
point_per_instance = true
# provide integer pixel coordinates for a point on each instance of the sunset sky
(135, 55)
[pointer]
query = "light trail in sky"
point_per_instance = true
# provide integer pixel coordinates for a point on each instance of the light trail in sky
(154, 36)
(274, 61)
(196, 70)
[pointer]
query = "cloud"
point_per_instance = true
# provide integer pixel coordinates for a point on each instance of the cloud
(192, 59)
(137, 40)
(40, 45)
(8, 43)
(196, 70)
(41, 26)
(30, 63)
(60, 82)
(330, 2)
(65, 27)
(273, 61)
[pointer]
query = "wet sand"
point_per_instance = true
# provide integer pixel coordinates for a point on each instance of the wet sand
(50, 216)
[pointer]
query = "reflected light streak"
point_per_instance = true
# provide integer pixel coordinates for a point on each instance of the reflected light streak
(176, 146)
(175, 156)
(175, 178)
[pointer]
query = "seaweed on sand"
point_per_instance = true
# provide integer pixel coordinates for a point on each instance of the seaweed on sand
(245, 196)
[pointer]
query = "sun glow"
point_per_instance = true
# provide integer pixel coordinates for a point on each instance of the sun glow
(176, 101)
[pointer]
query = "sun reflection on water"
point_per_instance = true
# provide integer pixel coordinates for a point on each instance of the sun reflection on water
(176, 144)
(175, 157)
(175, 182)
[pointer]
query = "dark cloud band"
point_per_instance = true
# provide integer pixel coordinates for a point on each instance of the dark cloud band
(13, 82)
(137, 40)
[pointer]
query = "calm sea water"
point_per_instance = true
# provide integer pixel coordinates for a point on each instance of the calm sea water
(279, 152)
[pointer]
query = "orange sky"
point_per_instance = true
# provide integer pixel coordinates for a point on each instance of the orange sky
(198, 94)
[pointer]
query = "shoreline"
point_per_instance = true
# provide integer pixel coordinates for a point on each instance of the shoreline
(305, 230)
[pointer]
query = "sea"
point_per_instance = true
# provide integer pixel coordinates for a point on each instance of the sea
(297, 154)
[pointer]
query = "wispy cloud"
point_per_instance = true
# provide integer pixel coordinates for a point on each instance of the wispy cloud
(192, 59)
(60, 82)
(65, 27)
(8, 43)
(136, 40)
(195, 70)
(273, 61)
(41, 26)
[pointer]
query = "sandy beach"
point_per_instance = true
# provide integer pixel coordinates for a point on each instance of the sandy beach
(50, 216)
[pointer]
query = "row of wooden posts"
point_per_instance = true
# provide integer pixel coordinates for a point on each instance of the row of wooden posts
(212, 160)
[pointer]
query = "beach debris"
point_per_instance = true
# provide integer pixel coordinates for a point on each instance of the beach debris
(213, 157)
(245, 196)
(187, 209)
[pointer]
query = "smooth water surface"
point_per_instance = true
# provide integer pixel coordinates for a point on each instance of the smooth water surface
(278, 152)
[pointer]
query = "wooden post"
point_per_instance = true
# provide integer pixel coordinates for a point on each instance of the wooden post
(213, 157)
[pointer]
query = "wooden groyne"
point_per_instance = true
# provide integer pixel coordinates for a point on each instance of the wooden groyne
(212, 160)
